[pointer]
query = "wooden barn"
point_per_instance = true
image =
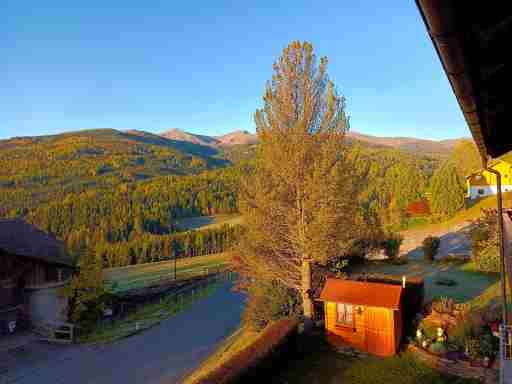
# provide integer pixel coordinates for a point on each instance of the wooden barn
(33, 265)
(365, 315)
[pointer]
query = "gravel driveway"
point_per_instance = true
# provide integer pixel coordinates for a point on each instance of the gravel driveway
(159, 355)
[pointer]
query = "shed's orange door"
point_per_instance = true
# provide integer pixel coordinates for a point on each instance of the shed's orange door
(379, 331)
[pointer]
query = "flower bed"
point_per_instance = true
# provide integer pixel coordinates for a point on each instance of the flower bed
(461, 368)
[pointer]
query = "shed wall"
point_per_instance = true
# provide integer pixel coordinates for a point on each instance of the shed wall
(376, 330)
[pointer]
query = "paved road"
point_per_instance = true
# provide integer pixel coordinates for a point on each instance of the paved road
(159, 355)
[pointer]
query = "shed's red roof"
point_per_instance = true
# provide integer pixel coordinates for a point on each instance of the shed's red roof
(362, 293)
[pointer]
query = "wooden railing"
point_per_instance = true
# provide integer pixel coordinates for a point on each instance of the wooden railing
(61, 333)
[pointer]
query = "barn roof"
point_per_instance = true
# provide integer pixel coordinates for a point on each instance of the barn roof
(362, 293)
(20, 238)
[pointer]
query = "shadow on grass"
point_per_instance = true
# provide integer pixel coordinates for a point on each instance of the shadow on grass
(315, 361)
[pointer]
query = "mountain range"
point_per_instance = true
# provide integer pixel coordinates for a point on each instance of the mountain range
(409, 144)
(230, 139)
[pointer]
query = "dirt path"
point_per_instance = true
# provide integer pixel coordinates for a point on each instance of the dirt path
(159, 355)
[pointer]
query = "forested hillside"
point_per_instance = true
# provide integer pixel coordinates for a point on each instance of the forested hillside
(121, 193)
(117, 214)
(48, 168)
(391, 180)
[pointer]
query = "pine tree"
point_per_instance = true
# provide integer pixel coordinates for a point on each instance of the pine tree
(447, 190)
(85, 288)
(299, 201)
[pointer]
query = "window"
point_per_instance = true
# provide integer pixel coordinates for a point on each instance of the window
(345, 314)
(481, 191)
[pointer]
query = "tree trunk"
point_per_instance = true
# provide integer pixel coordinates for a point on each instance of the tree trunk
(307, 302)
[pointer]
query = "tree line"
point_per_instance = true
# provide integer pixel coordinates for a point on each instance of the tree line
(148, 248)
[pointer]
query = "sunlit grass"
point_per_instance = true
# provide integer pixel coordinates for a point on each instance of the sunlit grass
(141, 275)
(465, 215)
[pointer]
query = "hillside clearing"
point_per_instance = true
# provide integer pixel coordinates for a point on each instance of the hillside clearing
(208, 222)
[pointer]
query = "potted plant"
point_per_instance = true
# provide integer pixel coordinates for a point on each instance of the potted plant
(473, 350)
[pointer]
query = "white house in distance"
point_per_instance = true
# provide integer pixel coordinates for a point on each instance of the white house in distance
(483, 183)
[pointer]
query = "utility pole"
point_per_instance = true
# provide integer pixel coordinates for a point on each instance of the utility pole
(175, 258)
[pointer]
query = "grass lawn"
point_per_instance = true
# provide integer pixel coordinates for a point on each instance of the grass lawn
(469, 282)
(146, 317)
(461, 217)
(319, 363)
(141, 275)
(208, 222)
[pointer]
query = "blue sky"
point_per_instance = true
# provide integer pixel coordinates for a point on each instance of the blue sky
(202, 65)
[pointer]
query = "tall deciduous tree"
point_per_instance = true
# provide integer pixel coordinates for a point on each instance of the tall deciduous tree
(466, 158)
(299, 202)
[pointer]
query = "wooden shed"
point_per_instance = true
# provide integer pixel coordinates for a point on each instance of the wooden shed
(362, 314)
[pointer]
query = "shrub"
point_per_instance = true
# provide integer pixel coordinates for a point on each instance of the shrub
(438, 348)
(489, 344)
(392, 245)
(473, 349)
(430, 247)
(446, 282)
(338, 266)
(268, 302)
(485, 242)
(444, 305)
(400, 260)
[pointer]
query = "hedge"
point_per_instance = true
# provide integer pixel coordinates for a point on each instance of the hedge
(273, 338)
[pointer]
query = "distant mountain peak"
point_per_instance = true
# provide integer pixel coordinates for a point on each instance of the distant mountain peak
(238, 137)
(244, 137)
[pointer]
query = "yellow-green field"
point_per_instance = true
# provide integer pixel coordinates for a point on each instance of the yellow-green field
(143, 275)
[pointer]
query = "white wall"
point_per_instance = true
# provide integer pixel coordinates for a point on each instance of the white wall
(45, 305)
(488, 190)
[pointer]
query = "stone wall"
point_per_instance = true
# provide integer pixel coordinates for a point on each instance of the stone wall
(455, 367)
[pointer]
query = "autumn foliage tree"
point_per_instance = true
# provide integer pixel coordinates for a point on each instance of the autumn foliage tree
(298, 202)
